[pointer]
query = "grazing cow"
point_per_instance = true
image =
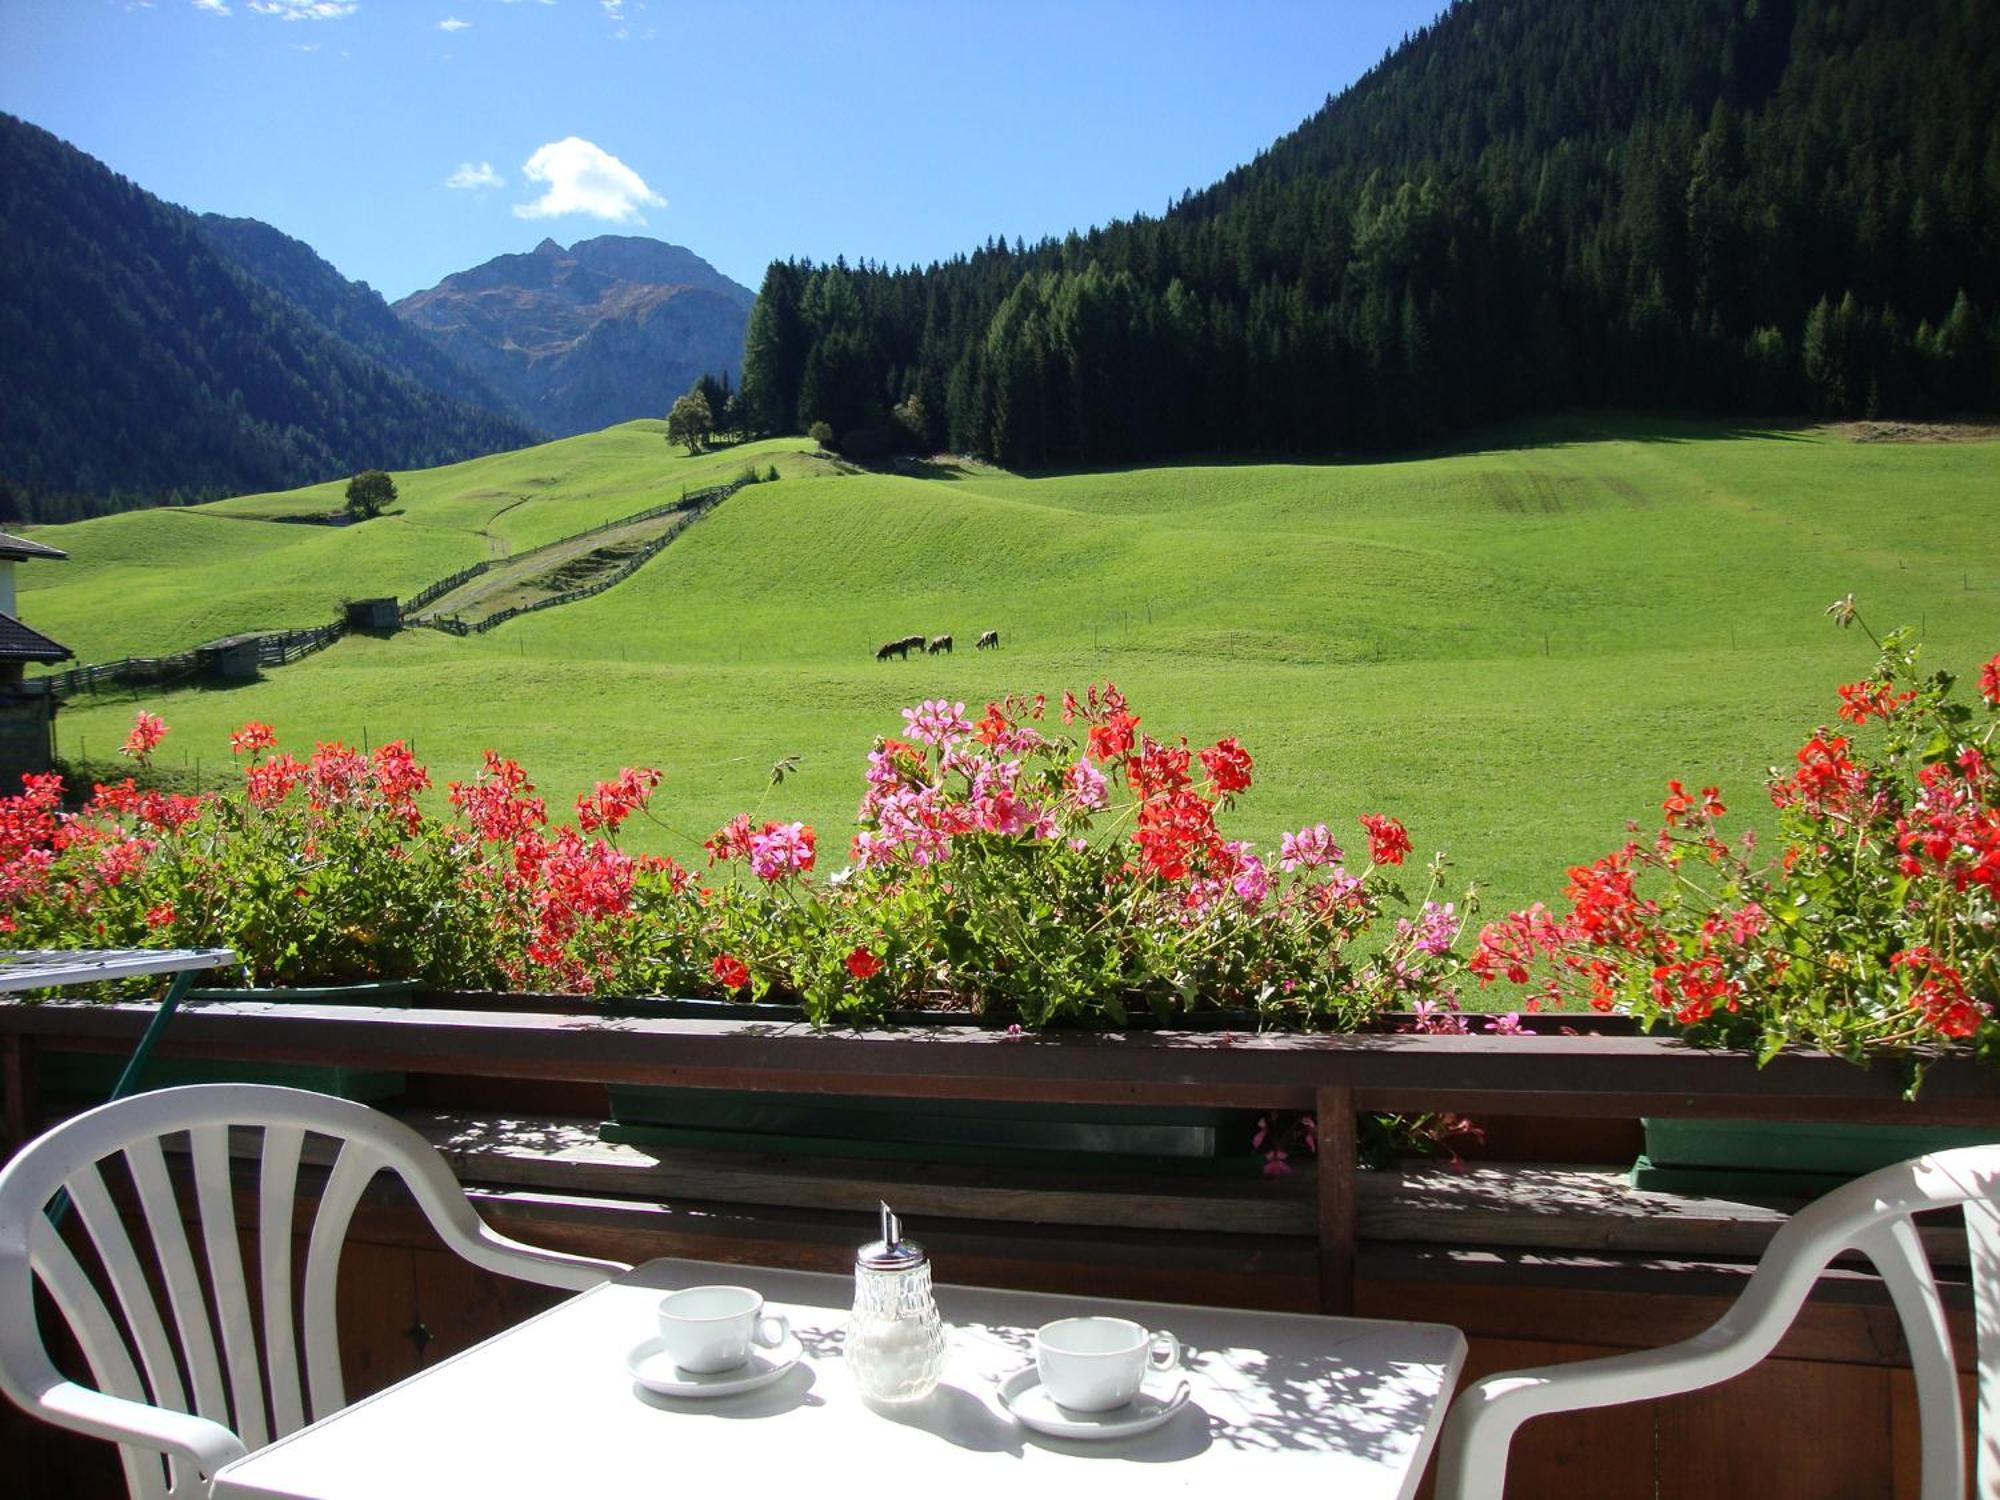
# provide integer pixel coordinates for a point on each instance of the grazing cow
(939, 643)
(913, 643)
(892, 648)
(990, 638)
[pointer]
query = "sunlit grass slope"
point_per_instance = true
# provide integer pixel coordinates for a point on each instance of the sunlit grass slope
(1510, 648)
(152, 582)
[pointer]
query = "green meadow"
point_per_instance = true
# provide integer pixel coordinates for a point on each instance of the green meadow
(1511, 648)
(152, 582)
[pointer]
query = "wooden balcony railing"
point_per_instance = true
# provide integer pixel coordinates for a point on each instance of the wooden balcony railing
(1337, 1078)
(1540, 1250)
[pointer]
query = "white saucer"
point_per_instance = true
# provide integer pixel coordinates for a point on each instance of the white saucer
(1023, 1394)
(652, 1368)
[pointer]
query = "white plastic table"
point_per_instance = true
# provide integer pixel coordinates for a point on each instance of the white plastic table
(1283, 1403)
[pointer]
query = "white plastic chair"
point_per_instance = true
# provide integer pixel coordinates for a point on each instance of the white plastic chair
(173, 1439)
(1871, 1215)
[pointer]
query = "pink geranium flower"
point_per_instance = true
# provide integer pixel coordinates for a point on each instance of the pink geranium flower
(936, 722)
(1308, 849)
(1087, 787)
(782, 849)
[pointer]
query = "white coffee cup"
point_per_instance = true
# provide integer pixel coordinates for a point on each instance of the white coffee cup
(1098, 1364)
(707, 1329)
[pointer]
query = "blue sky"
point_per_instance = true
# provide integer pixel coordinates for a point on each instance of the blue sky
(895, 132)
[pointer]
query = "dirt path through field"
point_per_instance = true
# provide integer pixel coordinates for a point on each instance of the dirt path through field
(552, 569)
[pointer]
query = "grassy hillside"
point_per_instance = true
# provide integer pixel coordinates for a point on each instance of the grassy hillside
(1512, 648)
(151, 582)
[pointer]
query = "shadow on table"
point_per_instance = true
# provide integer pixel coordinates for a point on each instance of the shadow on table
(1191, 1432)
(794, 1389)
(823, 1344)
(1317, 1403)
(959, 1417)
(1332, 1400)
(965, 1420)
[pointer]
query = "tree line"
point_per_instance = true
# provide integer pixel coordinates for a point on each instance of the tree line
(1748, 207)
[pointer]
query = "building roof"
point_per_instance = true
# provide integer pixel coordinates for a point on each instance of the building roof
(18, 548)
(19, 643)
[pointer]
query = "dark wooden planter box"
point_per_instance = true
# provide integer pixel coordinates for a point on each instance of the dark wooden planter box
(1780, 1158)
(1108, 1137)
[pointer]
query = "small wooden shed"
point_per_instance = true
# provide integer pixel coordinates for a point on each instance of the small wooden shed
(230, 659)
(382, 615)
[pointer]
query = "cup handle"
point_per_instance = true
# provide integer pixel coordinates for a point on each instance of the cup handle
(1163, 1352)
(779, 1321)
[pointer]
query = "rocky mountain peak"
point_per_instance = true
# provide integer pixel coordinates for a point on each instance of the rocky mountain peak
(609, 329)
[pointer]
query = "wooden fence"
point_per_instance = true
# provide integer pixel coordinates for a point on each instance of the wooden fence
(439, 589)
(288, 646)
(129, 671)
(277, 649)
(697, 505)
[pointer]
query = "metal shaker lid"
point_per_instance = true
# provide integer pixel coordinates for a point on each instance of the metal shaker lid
(892, 1252)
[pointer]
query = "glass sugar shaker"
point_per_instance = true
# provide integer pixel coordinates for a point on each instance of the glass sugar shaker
(895, 1340)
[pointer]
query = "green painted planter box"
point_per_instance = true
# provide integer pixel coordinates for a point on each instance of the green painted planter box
(91, 1075)
(1109, 1137)
(1775, 1159)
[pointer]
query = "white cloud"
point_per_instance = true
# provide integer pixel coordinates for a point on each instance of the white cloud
(305, 10)
(475, 175)
(452, 23)
(624, 18)
(213, 7)
(582, 178)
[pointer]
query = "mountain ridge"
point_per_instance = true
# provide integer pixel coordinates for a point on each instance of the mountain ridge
(351, 310)
(577, 338)
(140, 365)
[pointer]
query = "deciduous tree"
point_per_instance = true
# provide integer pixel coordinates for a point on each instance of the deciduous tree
(690, 422)
(368, 492)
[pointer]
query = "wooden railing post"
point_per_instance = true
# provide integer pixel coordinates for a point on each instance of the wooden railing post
(1337, 1167)
(20, 1080)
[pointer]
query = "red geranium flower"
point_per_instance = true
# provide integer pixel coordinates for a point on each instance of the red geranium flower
(862, 964)
(1940, 994)
(147, 732)
(1861, 701)
(1228, 765)
(1677, 803)
(730, 971)
(991, 729)
(1387, 841)
(1989, 680)
(251, 738)
(1110, 740)
(612, 802)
